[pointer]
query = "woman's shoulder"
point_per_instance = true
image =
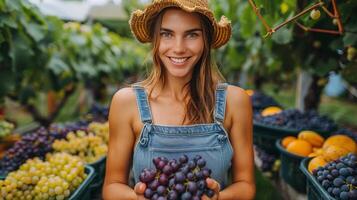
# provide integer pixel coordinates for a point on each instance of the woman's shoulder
(124, 98)
(237, 95)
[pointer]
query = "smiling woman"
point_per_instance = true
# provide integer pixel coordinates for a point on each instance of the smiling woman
(183, 107)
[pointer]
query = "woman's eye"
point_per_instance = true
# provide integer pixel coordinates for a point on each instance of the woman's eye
(192, 35)
(165, 34)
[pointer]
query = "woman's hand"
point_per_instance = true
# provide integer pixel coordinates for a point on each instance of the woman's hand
(139, 189)
(214, 186)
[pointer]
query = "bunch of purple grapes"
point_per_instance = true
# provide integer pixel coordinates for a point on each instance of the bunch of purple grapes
(294, 119)
(97, 113)
(266, 158)
(339, 177)
(34, 144)
(183, 179)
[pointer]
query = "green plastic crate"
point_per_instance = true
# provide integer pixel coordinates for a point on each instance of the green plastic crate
(314, 190)
(99, 168)
(264, 136)
(289, 169)
(83, 191)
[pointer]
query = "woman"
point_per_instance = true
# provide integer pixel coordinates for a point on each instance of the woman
(182, 107)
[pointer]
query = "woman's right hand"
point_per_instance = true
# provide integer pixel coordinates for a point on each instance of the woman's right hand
(139, 189)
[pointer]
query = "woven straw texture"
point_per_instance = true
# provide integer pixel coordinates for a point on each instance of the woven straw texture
(139, 19)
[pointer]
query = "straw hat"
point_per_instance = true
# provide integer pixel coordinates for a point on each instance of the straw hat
(140, 18)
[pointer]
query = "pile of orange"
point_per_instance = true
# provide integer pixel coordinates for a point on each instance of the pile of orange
(312, 144)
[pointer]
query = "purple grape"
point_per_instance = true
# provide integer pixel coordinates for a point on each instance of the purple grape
(202, 184)
(161, 198)
(186, 196)
(201, 163)
(190, 176)
(163, 179)
(161, 190)
(180, 188)
(352, 194)
(148, 193)
(191, 165)
(172, 195)
(183, 159)
(147, 176)
(167, 170)
(171, 182)
(179, 177)
(209, 193)
(192, 187)
(156, 160)
(154, 184)
(161, 165)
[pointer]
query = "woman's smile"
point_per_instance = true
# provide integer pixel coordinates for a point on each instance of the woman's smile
(179, 61)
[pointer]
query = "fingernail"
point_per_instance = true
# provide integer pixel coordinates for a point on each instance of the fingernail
(141, 186)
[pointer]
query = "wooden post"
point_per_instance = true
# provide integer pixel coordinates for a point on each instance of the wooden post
(51, 102)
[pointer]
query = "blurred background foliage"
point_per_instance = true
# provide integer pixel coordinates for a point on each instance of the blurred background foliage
(46, 56)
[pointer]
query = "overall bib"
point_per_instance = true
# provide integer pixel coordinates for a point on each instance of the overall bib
(210, 140)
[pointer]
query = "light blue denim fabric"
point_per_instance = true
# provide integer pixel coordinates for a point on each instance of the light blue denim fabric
(208, 140)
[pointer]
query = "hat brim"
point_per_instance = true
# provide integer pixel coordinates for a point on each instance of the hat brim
(139, 22)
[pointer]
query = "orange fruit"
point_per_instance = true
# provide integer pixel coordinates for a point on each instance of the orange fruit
(271, 110)
(287, 140)
(299, 147)
(316, 162)
(249, 92)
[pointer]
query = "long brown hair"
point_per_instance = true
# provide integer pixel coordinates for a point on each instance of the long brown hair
(205, 76)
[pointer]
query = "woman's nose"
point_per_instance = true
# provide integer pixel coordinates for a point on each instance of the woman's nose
(179, 45)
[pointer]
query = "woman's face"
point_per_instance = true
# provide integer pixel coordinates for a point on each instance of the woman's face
(181, 42)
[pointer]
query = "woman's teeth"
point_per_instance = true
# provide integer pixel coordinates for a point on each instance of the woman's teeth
(178, 60)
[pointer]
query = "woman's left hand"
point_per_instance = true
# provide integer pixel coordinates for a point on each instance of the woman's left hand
(214, 186)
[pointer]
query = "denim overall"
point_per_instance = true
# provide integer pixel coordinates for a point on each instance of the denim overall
(208, 140)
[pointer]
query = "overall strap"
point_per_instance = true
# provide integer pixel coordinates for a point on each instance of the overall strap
(220, 107)
(143, 104)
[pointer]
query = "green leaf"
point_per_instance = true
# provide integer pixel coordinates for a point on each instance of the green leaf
(36, 31)
(8, 20)
(283, 36)
(13, 5)
(350, 39)
(57, 66)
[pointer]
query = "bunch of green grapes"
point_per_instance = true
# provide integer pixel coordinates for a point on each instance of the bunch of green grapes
(55, 178)
(100, 129)
(6, 128)
(88, 147)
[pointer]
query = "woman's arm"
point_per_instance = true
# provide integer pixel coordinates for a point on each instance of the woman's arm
(121, 143)
(239, 114)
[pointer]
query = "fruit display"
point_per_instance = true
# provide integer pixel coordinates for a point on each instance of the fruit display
(35, 144)
(88, 146)
(171, 179)
(6, 128)
(261, 101)
(55, 178)
(296, 120)
(311, 144)
(339, 177)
